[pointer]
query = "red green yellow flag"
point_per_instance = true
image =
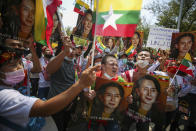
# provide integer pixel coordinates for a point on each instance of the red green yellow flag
(81, 7)
(45, 9)
(40, 23)
(131, 51)
(99, 46)
(117, 17)
(186, 65)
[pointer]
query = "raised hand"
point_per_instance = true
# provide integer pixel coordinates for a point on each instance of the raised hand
(67, 44)
(88, 76)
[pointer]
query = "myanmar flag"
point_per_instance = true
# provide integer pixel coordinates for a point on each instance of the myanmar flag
(186, 65)
(81, 7)
(117, 17)
(131, 51)
(99, 46)
(45, 9)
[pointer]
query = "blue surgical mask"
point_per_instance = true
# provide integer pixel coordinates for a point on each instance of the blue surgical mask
(124, 61)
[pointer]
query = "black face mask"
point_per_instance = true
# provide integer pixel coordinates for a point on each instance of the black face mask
(48, 56)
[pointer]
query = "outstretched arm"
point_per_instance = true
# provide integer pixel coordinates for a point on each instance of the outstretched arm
(57, 103)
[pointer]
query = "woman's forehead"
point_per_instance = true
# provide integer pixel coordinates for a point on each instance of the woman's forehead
(147, 83)
(111, 89)
(186, 39)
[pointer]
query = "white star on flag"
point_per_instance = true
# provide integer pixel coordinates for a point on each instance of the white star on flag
(110, 19)
(82, 9)
(191, 67)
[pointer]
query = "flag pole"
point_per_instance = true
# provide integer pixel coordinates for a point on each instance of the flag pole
(93, 47)
(61, 22)
(174, 77)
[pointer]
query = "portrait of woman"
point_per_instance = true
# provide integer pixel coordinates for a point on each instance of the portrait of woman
(55, 36)
(136, 41)
(84, 26)
(109, 42)
(146, 90)
(105, 107)
(112, 44)
(18, 18)
(27, 18)
(181, 45)
(144, 109)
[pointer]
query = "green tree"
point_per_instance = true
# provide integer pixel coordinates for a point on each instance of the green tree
(167, 14)
(68, 30)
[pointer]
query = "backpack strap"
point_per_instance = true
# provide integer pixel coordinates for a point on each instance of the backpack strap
(11, 125)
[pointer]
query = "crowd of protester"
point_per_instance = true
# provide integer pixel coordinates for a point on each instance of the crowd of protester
(61, 78)
(35, 82)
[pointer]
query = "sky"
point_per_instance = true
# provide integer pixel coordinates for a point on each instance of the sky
(70, 17)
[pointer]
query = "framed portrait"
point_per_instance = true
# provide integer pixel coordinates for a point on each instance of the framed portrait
(17, 19)
(136, 40)
(84, 25)
(25, 19)
(149, 101)
(182, 43)
(110, 100)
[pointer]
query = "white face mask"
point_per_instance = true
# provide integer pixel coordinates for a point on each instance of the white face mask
(13, 78)
(142, 63)
(97, 63)
(108, 76)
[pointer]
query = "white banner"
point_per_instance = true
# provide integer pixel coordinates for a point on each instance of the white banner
(160, 37)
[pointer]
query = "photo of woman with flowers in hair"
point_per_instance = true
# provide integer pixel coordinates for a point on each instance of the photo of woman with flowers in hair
(144, 112)
(105, 110)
